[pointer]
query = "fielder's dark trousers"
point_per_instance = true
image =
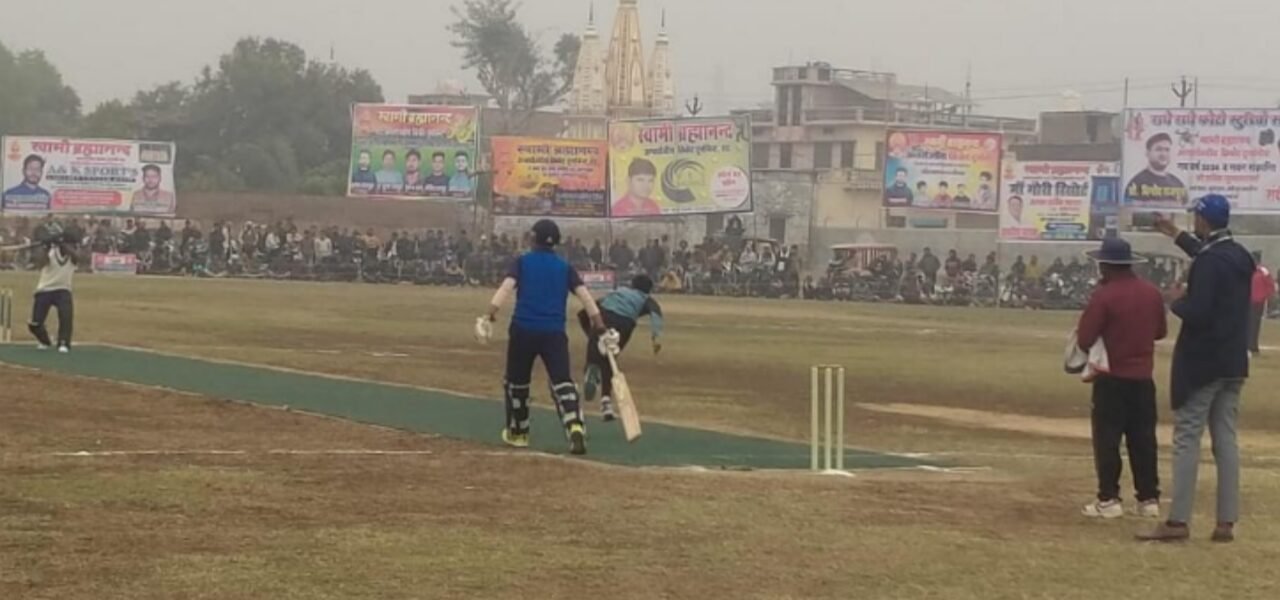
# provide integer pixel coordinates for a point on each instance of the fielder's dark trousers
(523, 348)
(624, 326)
(1256, 313)
(44, 301)
(1125, 408)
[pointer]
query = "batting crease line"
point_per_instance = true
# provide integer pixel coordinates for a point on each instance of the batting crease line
(690, 468)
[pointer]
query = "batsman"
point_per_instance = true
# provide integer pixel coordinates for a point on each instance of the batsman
(541, 281)
(621, 310)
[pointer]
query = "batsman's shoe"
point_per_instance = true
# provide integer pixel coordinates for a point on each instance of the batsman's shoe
(1149, 509)
(515, 440)
(577, 439)
(1104, 509)
(63, 349)
(591, 383)
(606, 409)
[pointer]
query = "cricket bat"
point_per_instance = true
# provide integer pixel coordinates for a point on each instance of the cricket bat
(626, 404)
(20, 247)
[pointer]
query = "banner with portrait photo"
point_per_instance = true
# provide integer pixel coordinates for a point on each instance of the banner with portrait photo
(943, 170)
(1172, 156)
(680, 166)
(550, 177)
(413, 152)
(60, 175)
(1058, 201)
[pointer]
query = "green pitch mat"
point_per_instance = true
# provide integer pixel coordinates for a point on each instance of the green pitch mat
(428, 411)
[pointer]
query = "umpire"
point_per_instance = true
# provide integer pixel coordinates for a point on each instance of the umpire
(1128, 315)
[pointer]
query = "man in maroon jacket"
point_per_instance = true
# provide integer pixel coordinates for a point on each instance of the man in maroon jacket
(1128, 315)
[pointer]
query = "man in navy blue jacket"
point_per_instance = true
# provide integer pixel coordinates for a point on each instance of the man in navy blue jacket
(541, 281)
(1210, 365)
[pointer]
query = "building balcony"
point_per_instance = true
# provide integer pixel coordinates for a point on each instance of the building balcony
(859, 115)
(861, 180)
(880, 116)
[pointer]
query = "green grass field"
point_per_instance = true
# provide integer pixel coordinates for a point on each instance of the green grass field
(190, 497)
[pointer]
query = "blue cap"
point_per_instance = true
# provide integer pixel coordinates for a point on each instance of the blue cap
(1215, 208)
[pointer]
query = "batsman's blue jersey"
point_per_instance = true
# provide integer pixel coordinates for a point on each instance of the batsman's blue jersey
(543, 284)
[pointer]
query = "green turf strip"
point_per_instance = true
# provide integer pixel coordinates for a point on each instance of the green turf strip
(429, 411)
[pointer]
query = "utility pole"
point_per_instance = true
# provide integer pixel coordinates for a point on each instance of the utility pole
(968, 93)
(1182, 91)
(1126, 92)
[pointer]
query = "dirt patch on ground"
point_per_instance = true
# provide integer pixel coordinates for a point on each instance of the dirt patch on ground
(180, 496)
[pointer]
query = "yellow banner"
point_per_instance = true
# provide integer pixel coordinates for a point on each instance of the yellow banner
(680, 166)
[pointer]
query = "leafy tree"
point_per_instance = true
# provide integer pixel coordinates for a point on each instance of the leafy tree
(266, 118)
(111, 119)
(33, 98)
(508, 61)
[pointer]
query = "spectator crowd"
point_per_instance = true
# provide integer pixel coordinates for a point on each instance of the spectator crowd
(725, 264)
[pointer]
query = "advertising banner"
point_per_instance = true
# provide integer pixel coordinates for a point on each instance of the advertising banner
(550, 177)
(60, 175)
(680, 166)
(115, 264)
(599, 283)
(943, 170)
(1172, 156)
(413, 152)
(1058, 200)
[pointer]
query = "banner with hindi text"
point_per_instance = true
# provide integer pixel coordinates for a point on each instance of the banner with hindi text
(413, 152)
(945, 170)
(600, 283)
(1172, 156)
(550, 177)
(115, 264)
(83, 176)
(1058, 201)
(680, 166)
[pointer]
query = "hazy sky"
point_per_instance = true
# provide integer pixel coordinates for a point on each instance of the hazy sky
(1023, 53)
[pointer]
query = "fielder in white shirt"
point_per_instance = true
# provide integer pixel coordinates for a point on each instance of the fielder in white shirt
(57, 267)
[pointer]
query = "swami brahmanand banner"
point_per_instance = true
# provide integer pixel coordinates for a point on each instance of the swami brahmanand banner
(413, 152)
(60, 175)
(943, 170)
(680, 166)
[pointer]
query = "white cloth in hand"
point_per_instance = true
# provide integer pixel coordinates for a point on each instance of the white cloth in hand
(1088, 366)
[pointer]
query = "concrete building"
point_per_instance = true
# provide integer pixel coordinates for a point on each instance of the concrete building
(833, 123)
(1074, 135)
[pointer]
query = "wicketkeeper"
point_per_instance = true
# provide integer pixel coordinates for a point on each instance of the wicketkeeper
(541, 280)
(621, 310)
